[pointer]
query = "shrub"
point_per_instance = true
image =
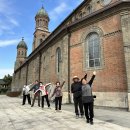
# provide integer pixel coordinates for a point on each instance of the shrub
(13, 94)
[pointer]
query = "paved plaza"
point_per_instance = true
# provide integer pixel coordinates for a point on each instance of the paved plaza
(14, 116)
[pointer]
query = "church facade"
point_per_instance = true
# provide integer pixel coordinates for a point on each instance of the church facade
(94, 37)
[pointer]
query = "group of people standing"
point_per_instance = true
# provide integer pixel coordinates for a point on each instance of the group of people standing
(82, 95)
(41, 90)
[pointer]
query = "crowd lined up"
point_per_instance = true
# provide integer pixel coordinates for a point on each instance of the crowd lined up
(82, 96)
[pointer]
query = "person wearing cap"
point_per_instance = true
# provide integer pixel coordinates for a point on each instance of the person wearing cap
(76, 89)
(87, 98)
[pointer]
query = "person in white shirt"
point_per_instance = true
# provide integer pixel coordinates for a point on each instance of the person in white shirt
(26, 94)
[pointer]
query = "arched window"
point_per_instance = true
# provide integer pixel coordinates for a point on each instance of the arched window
(58, 59)
(22, 52)
(94, 50)
(89, 9)
(18, 52)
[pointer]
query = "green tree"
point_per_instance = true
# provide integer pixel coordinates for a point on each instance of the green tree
(7, 79)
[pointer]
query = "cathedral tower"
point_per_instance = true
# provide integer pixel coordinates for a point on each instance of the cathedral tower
(21, 53)
(41, 29)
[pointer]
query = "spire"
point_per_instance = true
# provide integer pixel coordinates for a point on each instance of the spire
(42, 2)
(22, 38)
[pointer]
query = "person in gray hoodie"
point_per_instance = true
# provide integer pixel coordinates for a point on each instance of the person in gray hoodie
(87, 98)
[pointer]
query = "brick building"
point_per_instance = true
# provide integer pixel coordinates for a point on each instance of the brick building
(95, 36)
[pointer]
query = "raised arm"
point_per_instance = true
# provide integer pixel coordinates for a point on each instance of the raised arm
(92, 79)
(47, 84)
(32, 88)
(62, 83)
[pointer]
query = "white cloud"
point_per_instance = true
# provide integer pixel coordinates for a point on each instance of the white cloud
(7, 16)
(62, 7)
(4, 72)
(4, 43)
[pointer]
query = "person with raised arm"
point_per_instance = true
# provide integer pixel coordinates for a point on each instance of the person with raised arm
(58, 95)
(44, 94)
(87, 98)
(76, 89)
(36, 93)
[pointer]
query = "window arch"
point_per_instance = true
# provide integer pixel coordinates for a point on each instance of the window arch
(94, 50)
(58, 59)
(89, 9)
(22, 52)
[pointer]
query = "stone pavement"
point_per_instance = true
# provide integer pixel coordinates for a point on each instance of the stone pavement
(14, 116)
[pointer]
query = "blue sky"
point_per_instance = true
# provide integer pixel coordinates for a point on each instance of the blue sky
(17, 21)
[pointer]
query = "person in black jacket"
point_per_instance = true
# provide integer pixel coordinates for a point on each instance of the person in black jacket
(87, 98)
(36, 93)
(76, 89)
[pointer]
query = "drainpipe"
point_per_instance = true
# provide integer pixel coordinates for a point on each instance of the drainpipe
(27, 75)
(40, 55)
(69, 96)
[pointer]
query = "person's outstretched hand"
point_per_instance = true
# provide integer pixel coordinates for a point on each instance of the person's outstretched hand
(94, 73)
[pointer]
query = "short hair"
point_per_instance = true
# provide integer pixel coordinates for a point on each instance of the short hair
(41, 82)
(36, 81)
(58, 82)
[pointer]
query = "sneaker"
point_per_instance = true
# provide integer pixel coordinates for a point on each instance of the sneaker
(60, 110)
(77, 116)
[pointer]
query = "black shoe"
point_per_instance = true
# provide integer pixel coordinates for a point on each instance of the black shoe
(23, 104)
(91, 122)
(87, 121)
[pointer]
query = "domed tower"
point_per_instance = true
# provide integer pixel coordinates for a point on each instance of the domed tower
(41, 29)
(21, 53)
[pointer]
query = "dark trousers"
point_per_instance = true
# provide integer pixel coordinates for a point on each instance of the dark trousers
(46, 97)
(58, 101)
(88, 107)
(28, 97)
(36, 95)
(78, 103)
